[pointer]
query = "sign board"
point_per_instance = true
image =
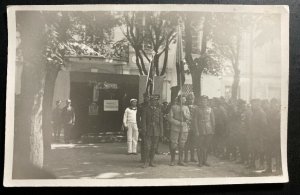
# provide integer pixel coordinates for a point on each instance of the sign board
(93, 109)
(111, 105)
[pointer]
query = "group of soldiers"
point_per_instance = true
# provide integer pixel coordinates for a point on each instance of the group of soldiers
(230, 130)
(248, 133)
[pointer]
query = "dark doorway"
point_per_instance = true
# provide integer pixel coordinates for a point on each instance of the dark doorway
(105, 120)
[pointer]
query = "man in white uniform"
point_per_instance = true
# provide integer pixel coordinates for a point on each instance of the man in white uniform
(130, 123)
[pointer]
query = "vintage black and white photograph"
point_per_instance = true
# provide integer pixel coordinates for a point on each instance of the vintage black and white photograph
(146, 95)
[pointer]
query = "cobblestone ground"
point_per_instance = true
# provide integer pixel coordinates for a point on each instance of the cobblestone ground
(109, 160)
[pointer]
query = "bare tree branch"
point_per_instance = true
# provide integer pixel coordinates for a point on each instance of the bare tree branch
(146, 56)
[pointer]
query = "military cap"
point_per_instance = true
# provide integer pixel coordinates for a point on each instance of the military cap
(155, 97)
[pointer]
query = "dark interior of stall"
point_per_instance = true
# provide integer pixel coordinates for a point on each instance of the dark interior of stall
(81, 94)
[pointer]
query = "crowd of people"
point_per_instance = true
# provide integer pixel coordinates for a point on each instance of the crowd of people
(228, 129)
(234, 130)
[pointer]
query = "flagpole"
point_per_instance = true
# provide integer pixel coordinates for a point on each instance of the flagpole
(180, 78)
(149, 72)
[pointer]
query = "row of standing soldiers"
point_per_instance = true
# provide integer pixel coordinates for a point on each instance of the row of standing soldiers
(230, 130)
(183, 120)
(248, 134)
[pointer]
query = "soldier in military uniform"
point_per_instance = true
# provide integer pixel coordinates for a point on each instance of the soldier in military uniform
(152, 127)
(272, 139)
(140, 109)
(204, 122)
(178, 117)
(189, 145)
(245, 115)
(165, 110)
(258, 125)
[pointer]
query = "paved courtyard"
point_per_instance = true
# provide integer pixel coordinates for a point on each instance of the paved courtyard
(109, 160)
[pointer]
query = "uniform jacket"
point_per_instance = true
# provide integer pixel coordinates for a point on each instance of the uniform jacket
(221, 120)
(130, 115)
(152, 121)
(259, 122)
(192, 113)
(68, 116)
(273, 117)
(139, 114)
(204, 121)
(178, 117)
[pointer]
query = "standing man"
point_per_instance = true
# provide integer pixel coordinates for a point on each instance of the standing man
(165, 111)
(219, 140)
(189, 146)
(140, 110)
(152, 126)
(245, 115)
(130, 123)
(68, 118)
(178, 117)
(258, 125)
(204, 122)
(273, 137)
(56, 121)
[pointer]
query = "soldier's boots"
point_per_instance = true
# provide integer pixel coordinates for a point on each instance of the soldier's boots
(180, 161)
(151, 164)
(145, 165)
(172, 152)
(193, 156)
(186, 152)
(199, 155)
(205, 163)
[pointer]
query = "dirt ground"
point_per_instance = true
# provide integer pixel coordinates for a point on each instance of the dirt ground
(109, 160)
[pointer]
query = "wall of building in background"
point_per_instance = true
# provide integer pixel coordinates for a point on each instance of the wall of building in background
(265, 67)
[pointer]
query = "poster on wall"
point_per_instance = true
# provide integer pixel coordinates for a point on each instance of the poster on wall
(93, 109)
(111, 105)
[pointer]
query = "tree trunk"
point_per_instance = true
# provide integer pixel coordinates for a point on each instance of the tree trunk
(236, 79)
(29, 147)
(156, 63)
(235, 84)
(165, 63)
(196, 79)
(47, 109)
(137, 61)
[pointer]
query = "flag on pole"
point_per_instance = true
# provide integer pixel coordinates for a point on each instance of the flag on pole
(178, 79)
(179, 60)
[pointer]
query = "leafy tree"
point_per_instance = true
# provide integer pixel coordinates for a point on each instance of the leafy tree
(228, 31)
(46, 38)
(204, 59)
(150, 33)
